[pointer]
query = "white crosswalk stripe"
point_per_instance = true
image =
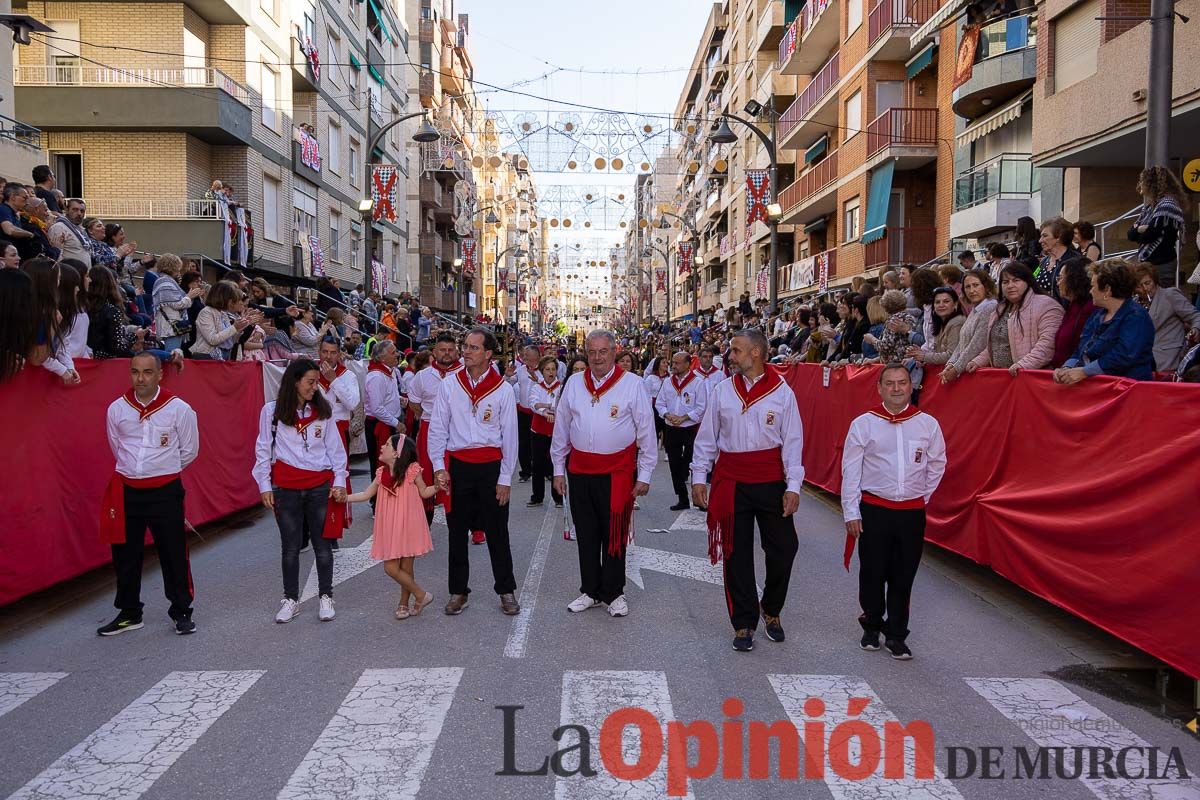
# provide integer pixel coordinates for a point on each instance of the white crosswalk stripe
(691, 520)
(379, 743)
(1053, 716)
(836, 692)
(518, 638)
(587, 699)
(18, 687)
(123, 758)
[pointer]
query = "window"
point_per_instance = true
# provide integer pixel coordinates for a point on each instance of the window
(355, 100)
(354, 165)
(854, 9)
(270, 208)
(334, 156)
(304, 207)
(393, 136)
(850, 220)
(335, 56)
(270, 97)
(853, 115)
(335, 236)
(426, 55)
(355, 241)
(269, 7)
(1076, 40)
(310, 30)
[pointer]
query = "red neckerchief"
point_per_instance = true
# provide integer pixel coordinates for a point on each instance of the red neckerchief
(679, 387)
(444, 371)
(379, 366)
(709, 371)
(909, 412)
(490, 382)
(145, 411)
(337, 373)
(769, 382)
(550, 387)
(302, 423)
(597, 393)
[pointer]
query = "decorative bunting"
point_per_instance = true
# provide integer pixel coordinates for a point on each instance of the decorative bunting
(761, 283)
(685, 257)
(791, 38)
(310, 150)
(469, 246)
(316, 257)
(965, 66)
(660, 280)
(823, 271)
(758, 197)
(314, 59)
(384, 178)
(379, 277)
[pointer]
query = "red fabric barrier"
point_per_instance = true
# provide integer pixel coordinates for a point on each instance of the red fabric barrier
(57, 462)
(1086, 495)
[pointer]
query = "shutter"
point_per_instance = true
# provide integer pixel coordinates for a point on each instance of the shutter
(1076, 41)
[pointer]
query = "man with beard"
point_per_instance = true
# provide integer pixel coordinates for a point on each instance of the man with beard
(422, 392)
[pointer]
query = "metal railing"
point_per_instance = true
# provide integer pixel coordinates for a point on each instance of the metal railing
(901, 246)
(20, 133)
(1005, 174)
(1103, 228)
(811, 14)
(902, 126)
(817, 88)
(889, 14)
(790, 41)
(102, 76)
(1006, 36)
(132, 208)
(823, 174)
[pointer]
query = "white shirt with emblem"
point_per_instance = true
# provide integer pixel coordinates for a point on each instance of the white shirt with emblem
(690, 402)
(425, 386)
(893, 460)
(343, 394)
(162, 444)
(455, 425)
(713, 379)
(316, 449)
(382, 399)
(621, 416)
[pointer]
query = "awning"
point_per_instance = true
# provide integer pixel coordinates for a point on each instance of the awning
(816, 149)
(817, 225)
(997, 120)
(920, 61)
(375, 74)
(948, 11)
(354, 62)
(877, 202)
(379, 18)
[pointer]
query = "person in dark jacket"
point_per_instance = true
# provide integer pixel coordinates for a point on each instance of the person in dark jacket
(1160, 224)
(1118, 339)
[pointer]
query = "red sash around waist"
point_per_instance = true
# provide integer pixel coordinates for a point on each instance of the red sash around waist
(469, 455)
(541, 425)
(112, 503)
(752, 466)
(285, 476)
(524, 409)
(883, 502)
(343, 426)
(621, 466)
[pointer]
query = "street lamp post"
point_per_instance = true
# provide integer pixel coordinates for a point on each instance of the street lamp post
(696, 261)
(666, 265)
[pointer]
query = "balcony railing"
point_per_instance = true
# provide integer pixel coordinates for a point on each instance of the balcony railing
(902, 246)
(1005, 36)
(20, 133)
(78, 75)
(822, 174)
(790, 40)
(1009, 174)
(812, 12)
(817, 88)
(902, 126)
(123, 208)
(729, 245)
(889, 14)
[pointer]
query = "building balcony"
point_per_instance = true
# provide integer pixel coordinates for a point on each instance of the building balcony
(430, 244)
(812, 106)
(909, 135)
(175, 225)
(1005, 66)
(770, 27)
(989, 197)
(427, 32)
(432, 194)
(427, 88)
(893, 23)
(812, 193)
(202, 101)
(901, 246)
(19, 134)
(811, 37)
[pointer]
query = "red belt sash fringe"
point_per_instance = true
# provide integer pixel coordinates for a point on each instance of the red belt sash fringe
(285, 476)
(752, 466)
(621, 466)
(343, 426)
(427, 465)
(112, 504)
(470, 455)
(541, 425)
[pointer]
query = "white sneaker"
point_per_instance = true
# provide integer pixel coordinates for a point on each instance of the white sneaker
(618, 607)
(582, 603)
(287, 610)
(326, 612)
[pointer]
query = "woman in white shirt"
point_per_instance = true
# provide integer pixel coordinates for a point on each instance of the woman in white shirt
(72, 284)
(653, 383)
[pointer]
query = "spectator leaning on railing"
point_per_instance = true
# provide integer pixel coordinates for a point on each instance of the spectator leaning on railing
(1075, 290)
(980, 291)
(221, 322)
(1176, 321)
(1118, 338)
(1021, 330)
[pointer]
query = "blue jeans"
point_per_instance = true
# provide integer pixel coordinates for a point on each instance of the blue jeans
(294, 508)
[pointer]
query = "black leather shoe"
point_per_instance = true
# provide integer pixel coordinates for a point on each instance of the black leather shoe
(682, 505)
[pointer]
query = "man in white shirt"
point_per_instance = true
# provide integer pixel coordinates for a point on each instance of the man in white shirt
(340, 387)
(709, 370)
(422, 393)
(892, 463)
(472, 445)
(752, 440)
(381, 403)
(680, 404)
(603, 439)
(154, 437)
(524, 377)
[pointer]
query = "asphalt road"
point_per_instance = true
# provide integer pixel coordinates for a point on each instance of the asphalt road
(367, 706)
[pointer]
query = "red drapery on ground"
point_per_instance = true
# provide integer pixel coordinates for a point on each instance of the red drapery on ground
(57, 461)
(1085, 495)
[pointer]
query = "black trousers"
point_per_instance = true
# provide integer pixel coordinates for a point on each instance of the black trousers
(601, 575)
(295, 510)
(678, 443)
(761, 503)
(524, 446)
(543, 469)
(372, 448)
(160, 510)
(474, 507)
(889, 551)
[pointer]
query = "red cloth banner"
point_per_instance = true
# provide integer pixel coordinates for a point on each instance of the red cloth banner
(685, 257)
(965, 66)
(1084, 495)
(59, 462)
(469, 246)
(660, 280)
(383, 191)
(758, 197)
(316, 257)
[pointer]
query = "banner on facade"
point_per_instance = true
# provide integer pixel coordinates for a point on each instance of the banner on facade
(316, 257)
(384, 178)
(965, 66)
(802, 273)
(503, 282)
(310, 150)
(685, 257)
(469, 246)
(823, 271)
(379, 277)
(761, 283)
(314, 59)
(758, 197)
(660, 280)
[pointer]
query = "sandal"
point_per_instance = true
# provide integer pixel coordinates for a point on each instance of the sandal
(402, 612)
(419, 605)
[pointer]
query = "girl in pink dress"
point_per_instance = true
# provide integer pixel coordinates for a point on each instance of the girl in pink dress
(401, 533)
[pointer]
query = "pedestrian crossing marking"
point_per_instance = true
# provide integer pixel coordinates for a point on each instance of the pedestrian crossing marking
(348, 562)
(691, 520)
(18, 687)
(836, 692)
(381, 739)
(518, 638)
(123, 758)
(1053, 716)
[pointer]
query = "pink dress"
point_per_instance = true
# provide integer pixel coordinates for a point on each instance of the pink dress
(400, 527)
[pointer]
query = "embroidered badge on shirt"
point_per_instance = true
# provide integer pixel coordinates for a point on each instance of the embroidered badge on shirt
(613, 412)
(317, 431)
(687, 398)
(770, 417)
(919, 455)
(163, 438)
(487, 414)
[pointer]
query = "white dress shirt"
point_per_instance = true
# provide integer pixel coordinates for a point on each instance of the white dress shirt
(317, 448)
(621, 416)
(540, 394)
(343, 395)
(772, 421)
(892, 460)
(713, 378)
(523, 382)
(455, 424)
(162, 442)
(688, 401)
(382, 400)
(653, 385)
(425, 386)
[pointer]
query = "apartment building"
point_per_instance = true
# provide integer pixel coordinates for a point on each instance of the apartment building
(20, 142)
(144, 104)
